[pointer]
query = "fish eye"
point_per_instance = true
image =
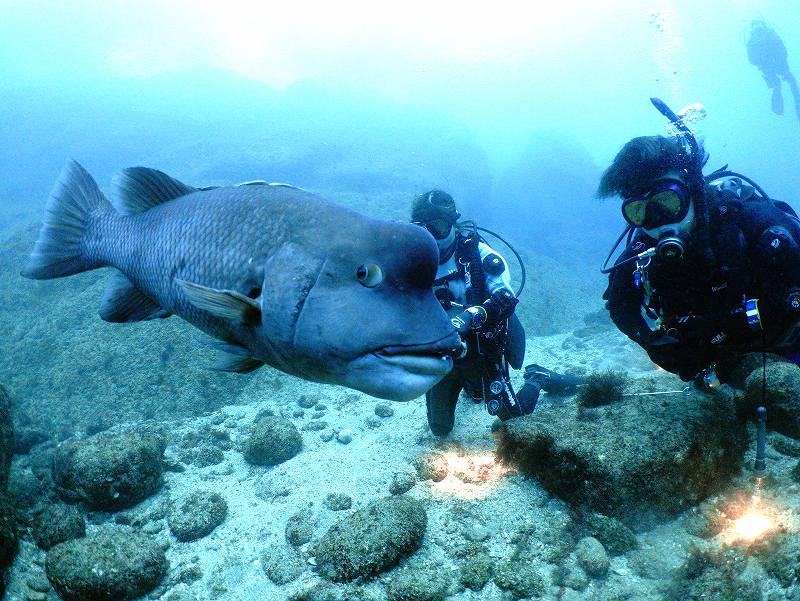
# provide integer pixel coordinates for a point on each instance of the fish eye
(370, 275)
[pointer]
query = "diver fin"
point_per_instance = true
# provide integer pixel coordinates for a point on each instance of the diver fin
(74, 200)
(234, 357)
(225, 304)
(123, 302)
(138, 189)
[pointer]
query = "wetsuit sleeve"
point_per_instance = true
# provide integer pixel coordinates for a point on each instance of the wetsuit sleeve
(624, 302)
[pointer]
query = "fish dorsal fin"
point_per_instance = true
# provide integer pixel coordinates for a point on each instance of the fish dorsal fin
(138, 189)
(123, 302)
(225, 304)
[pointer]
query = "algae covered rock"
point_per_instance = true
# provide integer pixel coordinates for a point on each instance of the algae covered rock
(419, 584)
(110, 470)
(641, 457)
(615, 536)
(520, 577)
(592, 556)
(6, 436)
(272, 440)
(112, 566)
(198, 515)
(56, 524)
(282, 564)
(371, 540)
(782, 397)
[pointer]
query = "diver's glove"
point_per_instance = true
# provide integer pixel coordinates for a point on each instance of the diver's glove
(500, 305)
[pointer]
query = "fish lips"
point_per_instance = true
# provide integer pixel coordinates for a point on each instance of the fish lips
(403, 372)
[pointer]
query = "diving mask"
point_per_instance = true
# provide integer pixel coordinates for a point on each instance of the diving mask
(667, 203)
(439, 228)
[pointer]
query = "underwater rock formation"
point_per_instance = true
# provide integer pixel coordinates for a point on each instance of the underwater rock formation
(112, 566)
(419, 583)
(371, 540)
(8, 516)
(782, 397)
(641, 458)
(198, 515)
(110, 470)
(272, 440)
(56, 524)
(282, 564)
(8, 538)
(6, 436)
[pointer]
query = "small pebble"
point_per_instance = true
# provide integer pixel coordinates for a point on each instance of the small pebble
(476, 533)
(306, 402)
(402, 482)
(592, 556)
(373, 422)
(326, 435)
(338, 501)
(153, 527)
(384, 410)
(345, 436)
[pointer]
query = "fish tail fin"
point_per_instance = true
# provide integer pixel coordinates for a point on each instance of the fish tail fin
(62, 248)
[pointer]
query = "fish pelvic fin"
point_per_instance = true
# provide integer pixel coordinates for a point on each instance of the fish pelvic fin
(235, 358)
(73, 204)
(224, 304)
(123, 302)
(138, 189)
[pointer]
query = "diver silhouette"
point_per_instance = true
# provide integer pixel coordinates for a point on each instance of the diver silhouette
(766, 50)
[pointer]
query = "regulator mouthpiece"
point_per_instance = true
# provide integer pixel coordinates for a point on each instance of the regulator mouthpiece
(671, 248)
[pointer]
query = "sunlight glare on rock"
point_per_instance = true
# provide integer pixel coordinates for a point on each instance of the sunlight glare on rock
(472, 475)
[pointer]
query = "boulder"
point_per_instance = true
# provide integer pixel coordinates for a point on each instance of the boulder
(112, 566)
(110, 470)
(272, 440)
(782, 398)
(639, 459)
(198, 515)
(371, 540)
(57, 524)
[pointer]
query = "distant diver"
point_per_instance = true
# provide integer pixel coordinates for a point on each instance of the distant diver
(766, 50)
(473, 285)
(279, 276)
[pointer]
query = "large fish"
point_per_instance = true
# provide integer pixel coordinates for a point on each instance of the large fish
(278, 275)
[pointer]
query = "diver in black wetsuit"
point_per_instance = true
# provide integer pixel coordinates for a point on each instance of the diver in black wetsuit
(766, 51)
(712, 265)
(474, 287)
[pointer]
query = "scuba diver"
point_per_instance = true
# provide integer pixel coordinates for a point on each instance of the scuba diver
(712, 265)
(766, 51)
(473, 285)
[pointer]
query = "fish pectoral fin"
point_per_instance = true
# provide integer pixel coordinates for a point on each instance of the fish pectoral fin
(225, 304)
(124, 303)
(234, 357)
(138, 189)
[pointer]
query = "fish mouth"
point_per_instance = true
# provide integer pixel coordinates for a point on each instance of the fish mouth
(431, 358)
